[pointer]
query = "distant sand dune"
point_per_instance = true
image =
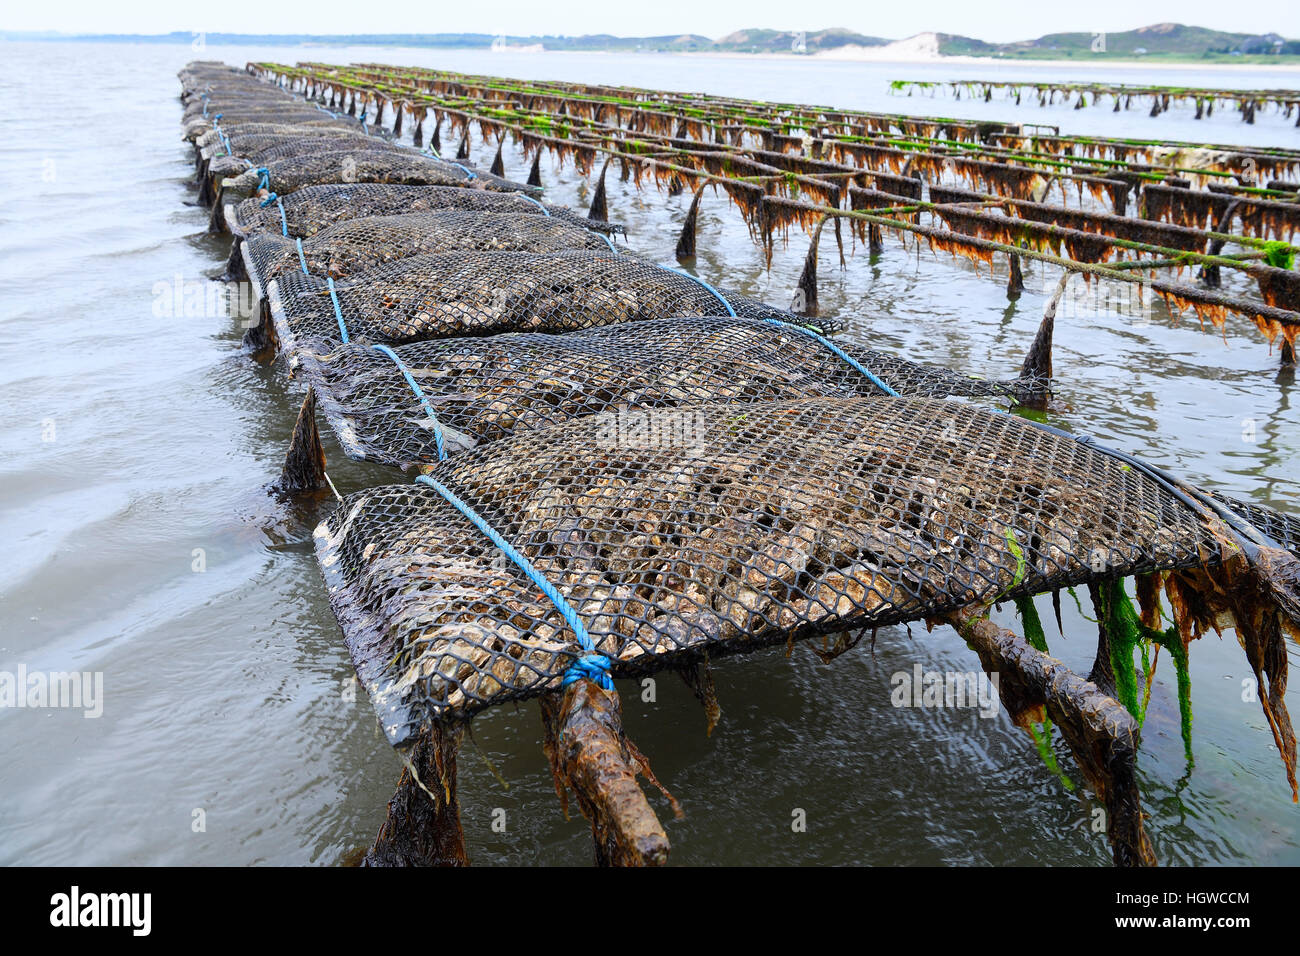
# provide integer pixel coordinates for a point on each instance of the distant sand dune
(915, 49)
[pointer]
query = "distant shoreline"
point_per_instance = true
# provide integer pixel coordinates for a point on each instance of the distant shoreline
(994, 61)
(891, 54)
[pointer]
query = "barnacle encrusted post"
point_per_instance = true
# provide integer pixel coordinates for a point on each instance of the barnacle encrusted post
(599, 211)
(805, 297)
(304, 463)
(1102, 735)
(1016, 280)
(686, 241)
(1038, 360)
(260, 339)
(590, 756)
(498, 167)
(422, 826)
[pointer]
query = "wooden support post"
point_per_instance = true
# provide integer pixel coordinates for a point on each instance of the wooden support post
(260, 339)
(1016, 281)
(1038, 360)
(498, 167)
(599, 211)
(235, 270)
(422, 827)
(805, 295)
(1209, 274)
(590, 756)
(1102, 735)
(304, 463)
(686, 241)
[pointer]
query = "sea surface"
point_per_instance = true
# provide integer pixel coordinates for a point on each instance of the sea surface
(139, 541)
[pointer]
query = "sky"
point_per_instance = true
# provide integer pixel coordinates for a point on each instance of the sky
(983, 19)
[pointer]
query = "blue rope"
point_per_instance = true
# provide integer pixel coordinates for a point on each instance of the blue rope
(614, 249)
(338, 312)
(419, 393)
(464, 169)
(590, 664)
(264, 178)
(545, 211)
(302, 261)
(838, 351)
(720, 297)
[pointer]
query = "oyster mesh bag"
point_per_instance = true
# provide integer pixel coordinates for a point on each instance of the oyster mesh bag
(262, 148)
(482, 293)
(231, 117)
(375, 164)
(721, 528)
(314, 208)
(359, 245)
(210, 141)
(468, 391)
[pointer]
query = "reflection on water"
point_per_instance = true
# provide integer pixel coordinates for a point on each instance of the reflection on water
(135, 443)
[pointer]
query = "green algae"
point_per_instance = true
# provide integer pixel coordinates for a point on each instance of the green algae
(1033, 624)
(1042, 735)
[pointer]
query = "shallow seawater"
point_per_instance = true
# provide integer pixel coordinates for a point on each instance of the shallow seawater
(140, 542)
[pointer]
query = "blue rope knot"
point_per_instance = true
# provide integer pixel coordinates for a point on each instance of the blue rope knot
(269, 199)
(593, 667)
(264, 178)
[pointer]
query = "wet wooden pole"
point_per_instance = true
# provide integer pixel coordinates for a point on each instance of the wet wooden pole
(422, 826)
(1102, 735)
(591, 757)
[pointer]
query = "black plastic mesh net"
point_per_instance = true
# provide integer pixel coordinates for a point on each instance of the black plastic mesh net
(309, 210)
(196, 124)
(1282, 528)
(484, 389)
(358, 245)
(375, 165)
(261, 148)
(483, 293)
(210, 141)
(718, 528)
(362, 165)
